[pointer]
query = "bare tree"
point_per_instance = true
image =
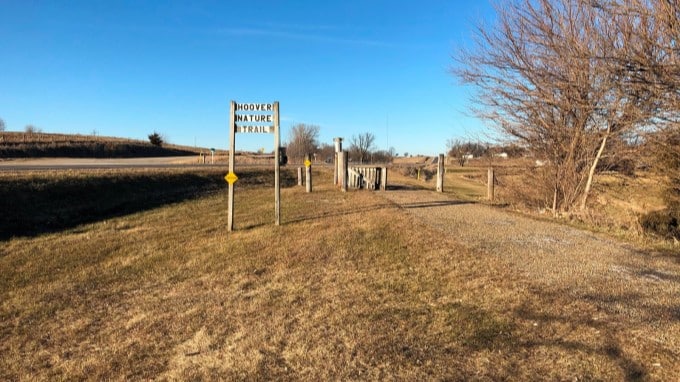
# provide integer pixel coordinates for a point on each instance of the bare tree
(543, 82)
(326, 152)
(463, 151)
(454, 149)
(303, 139)
(362, 145)
(2, 125)
(651, 63)
(30, 129)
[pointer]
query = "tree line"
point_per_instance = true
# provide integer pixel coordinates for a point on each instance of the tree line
(462, 151)
(28, 129)
(303, 139)
(574, 82)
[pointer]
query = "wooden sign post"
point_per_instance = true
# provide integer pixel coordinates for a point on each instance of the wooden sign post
(253, 118)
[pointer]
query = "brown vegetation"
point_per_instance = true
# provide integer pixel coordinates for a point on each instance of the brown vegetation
(32, 145)
(350, 287)
(303, 140)
(573, 81)
(39, 202)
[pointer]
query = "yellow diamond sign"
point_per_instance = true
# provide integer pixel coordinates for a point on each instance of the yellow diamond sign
(307, 163)
(231, 178)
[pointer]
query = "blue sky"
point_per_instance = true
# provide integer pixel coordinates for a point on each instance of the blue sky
(127, 68)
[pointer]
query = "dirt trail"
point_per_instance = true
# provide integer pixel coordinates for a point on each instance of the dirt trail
(551, 250)
(631, 286)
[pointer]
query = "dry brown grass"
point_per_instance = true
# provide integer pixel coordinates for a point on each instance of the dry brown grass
(46, 201)
(413, 160)
(36, 145)
(350, 287)
(616, 205)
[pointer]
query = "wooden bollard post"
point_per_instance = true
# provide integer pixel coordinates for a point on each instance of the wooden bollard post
(343, 173)
(335, 168)
(299, 176)
(490, 183)
(336, 159)
(440, 173)
(308, 173)
(383, 179)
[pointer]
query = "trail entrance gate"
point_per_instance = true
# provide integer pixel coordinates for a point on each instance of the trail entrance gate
(253, 118)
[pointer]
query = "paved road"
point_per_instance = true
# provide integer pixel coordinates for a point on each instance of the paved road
(39, 164)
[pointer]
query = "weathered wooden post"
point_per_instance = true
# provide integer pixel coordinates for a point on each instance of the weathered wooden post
(440, 173)
(383, 179)
(343, 171)
(336, 161)
(490, 183)
(299, 176)
(308, 173)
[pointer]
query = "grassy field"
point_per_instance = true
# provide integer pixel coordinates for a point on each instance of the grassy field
(349, 287)
(36, 145)
(39, 202)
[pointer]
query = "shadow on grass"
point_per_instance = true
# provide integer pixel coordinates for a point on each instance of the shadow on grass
(405, 187)
(438, 203)
(612, 346)
(405, 335)
(44, 203)
(345, 212)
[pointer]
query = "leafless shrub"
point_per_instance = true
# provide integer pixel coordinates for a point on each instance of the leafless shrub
(558, 77)
(30, 129)
(360, 146)
(303, 140)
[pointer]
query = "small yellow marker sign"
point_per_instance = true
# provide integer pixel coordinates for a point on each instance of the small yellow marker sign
(307, 163)
(231, 178)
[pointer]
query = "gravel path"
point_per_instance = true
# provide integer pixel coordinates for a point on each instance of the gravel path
(624, 281)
